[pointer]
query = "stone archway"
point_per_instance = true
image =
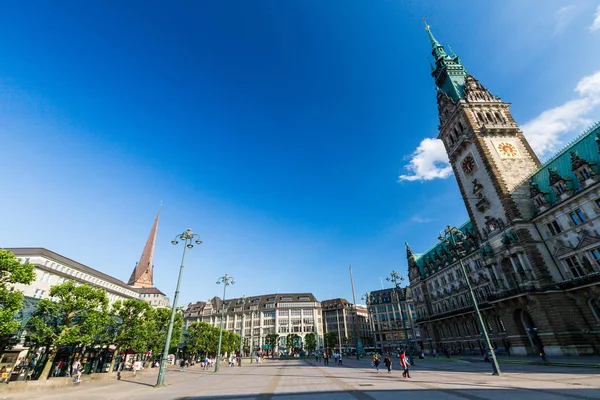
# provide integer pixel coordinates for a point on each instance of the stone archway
(530, 328)
(522, 345)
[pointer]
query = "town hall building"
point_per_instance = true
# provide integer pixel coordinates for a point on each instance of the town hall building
(531, 248)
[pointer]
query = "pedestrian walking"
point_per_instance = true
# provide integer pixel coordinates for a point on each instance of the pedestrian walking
(76, 371)
(388, 363)
(376, 362)
(340, 359)
(182, 365)
(405, 364)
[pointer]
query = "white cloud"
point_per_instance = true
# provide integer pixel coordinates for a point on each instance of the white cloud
(596, 24)
(564, 16)
(420, 220)
(544, 131)
(429, 161)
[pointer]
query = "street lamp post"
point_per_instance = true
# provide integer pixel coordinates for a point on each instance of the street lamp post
(226, 280)
(187, 238)
(367, 297)
(251, 337)
(243, 300)
(396, 278)
(337, 315)
(457, 245)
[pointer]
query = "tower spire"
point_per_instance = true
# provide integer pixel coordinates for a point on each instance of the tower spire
(409, 253)
(449, 73)
(142, 273)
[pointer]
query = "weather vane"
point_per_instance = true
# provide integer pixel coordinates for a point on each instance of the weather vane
(425, 22)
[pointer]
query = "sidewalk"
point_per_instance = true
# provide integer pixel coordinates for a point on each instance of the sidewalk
(565, 361)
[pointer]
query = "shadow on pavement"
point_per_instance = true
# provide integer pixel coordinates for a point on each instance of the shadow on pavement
(472, 394)
(137, 382)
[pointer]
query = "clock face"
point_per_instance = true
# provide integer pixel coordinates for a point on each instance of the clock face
(507, 149)
(145, 277)
(468, 164)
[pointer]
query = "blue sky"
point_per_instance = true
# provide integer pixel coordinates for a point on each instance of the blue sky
(277, 130)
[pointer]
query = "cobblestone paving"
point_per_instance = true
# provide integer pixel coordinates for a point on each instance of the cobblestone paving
(303, 380)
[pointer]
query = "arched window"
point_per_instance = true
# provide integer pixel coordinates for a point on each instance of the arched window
(488, 325)
(480, 117)
(498, 117)
(489, 117)
(500, 324)
(467, 330)
(457, 329)
(595, 307)
(461, 127)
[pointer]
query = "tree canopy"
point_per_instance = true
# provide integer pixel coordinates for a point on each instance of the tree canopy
(158, 324)
(310, 342)
(12, 272)
(330, 339)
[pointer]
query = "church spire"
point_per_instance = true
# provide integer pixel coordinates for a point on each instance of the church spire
(142, 273)
(449, 73)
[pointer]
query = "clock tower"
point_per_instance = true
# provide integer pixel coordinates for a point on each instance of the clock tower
(490, 157)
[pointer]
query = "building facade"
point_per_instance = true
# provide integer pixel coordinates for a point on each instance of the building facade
(53, 269)
(392, 325)
(531, 249)
(340, 317)
(283, 314)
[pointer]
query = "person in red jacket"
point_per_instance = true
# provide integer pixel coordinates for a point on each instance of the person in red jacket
(405, 364)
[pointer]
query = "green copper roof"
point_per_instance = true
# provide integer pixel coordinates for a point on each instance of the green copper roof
(449, 73)
(586, 146)
(423, 259)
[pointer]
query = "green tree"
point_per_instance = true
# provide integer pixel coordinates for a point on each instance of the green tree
(202, 338)
(310, 342)
(271, 340)
(11, 272)
(128, 327)
(157, 325)
(330, 339)
(230, 343)
(77, 316)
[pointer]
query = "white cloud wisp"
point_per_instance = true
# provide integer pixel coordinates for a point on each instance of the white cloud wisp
(596, 24)
(429, 161)
(544, 131)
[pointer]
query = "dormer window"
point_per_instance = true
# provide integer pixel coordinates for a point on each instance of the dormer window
(585, 173)
(558, 183)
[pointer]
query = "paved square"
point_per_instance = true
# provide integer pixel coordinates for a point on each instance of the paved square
(303, 380)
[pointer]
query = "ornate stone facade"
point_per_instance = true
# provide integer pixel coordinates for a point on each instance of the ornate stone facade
(532, 245)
